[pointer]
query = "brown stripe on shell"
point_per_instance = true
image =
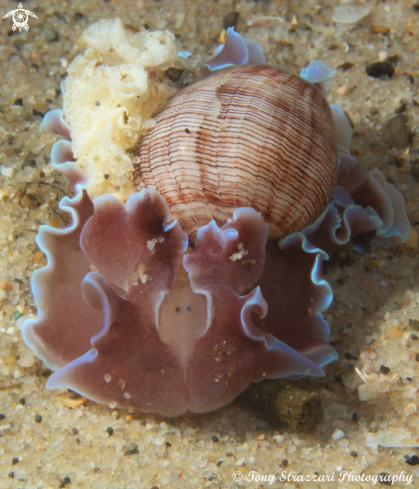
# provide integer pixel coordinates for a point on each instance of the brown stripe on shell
(258, 137)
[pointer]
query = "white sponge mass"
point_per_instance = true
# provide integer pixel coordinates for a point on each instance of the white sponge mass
(111, 92)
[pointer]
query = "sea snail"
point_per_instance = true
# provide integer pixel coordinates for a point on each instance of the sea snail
(130, 316)
(248, 136)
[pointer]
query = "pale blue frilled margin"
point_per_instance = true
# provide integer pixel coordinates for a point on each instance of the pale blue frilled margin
(291, 241)
(39, 276)
(235, 51)
(54, 122)
(307, 247)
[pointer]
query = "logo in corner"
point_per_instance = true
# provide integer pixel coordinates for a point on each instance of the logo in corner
(20, 18)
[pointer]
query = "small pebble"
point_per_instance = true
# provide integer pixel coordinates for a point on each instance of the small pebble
(394, 59)
(22, 401)
(410, 409)
(110, 431)
(385, 478)
(60, 17)
(353, 453)
(78, 16)
(412, 241)
(413, 460)
(187, 77)
(4, 284)
(396, 132)
(45, 372)
(200, 464)
(380, 29)
(414, 323)
(363, 392)
(214, 438)
(27, 359)
(230, 20)
(384, 370)
(345, 66)
(15, 461)
(65, 482)
(376, 70)
(2, 416)
(37, 113)
(159, 440)
(51, 35)
(338, 435)
(11, 475)
(401, 108)
(8, 172)
(29, 162)
(18, 101)
(382, 56)
(173, 74)
(133, 451)
(38, 418)
(343, 90)
(349, 14)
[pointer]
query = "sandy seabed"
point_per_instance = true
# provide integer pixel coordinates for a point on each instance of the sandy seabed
(46, 443)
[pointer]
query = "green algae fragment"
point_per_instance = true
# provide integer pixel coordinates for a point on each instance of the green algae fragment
(414, 323)
(16, 315)
(281, 401)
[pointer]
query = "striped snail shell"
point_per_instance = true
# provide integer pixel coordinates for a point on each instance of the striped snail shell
(248, 136)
